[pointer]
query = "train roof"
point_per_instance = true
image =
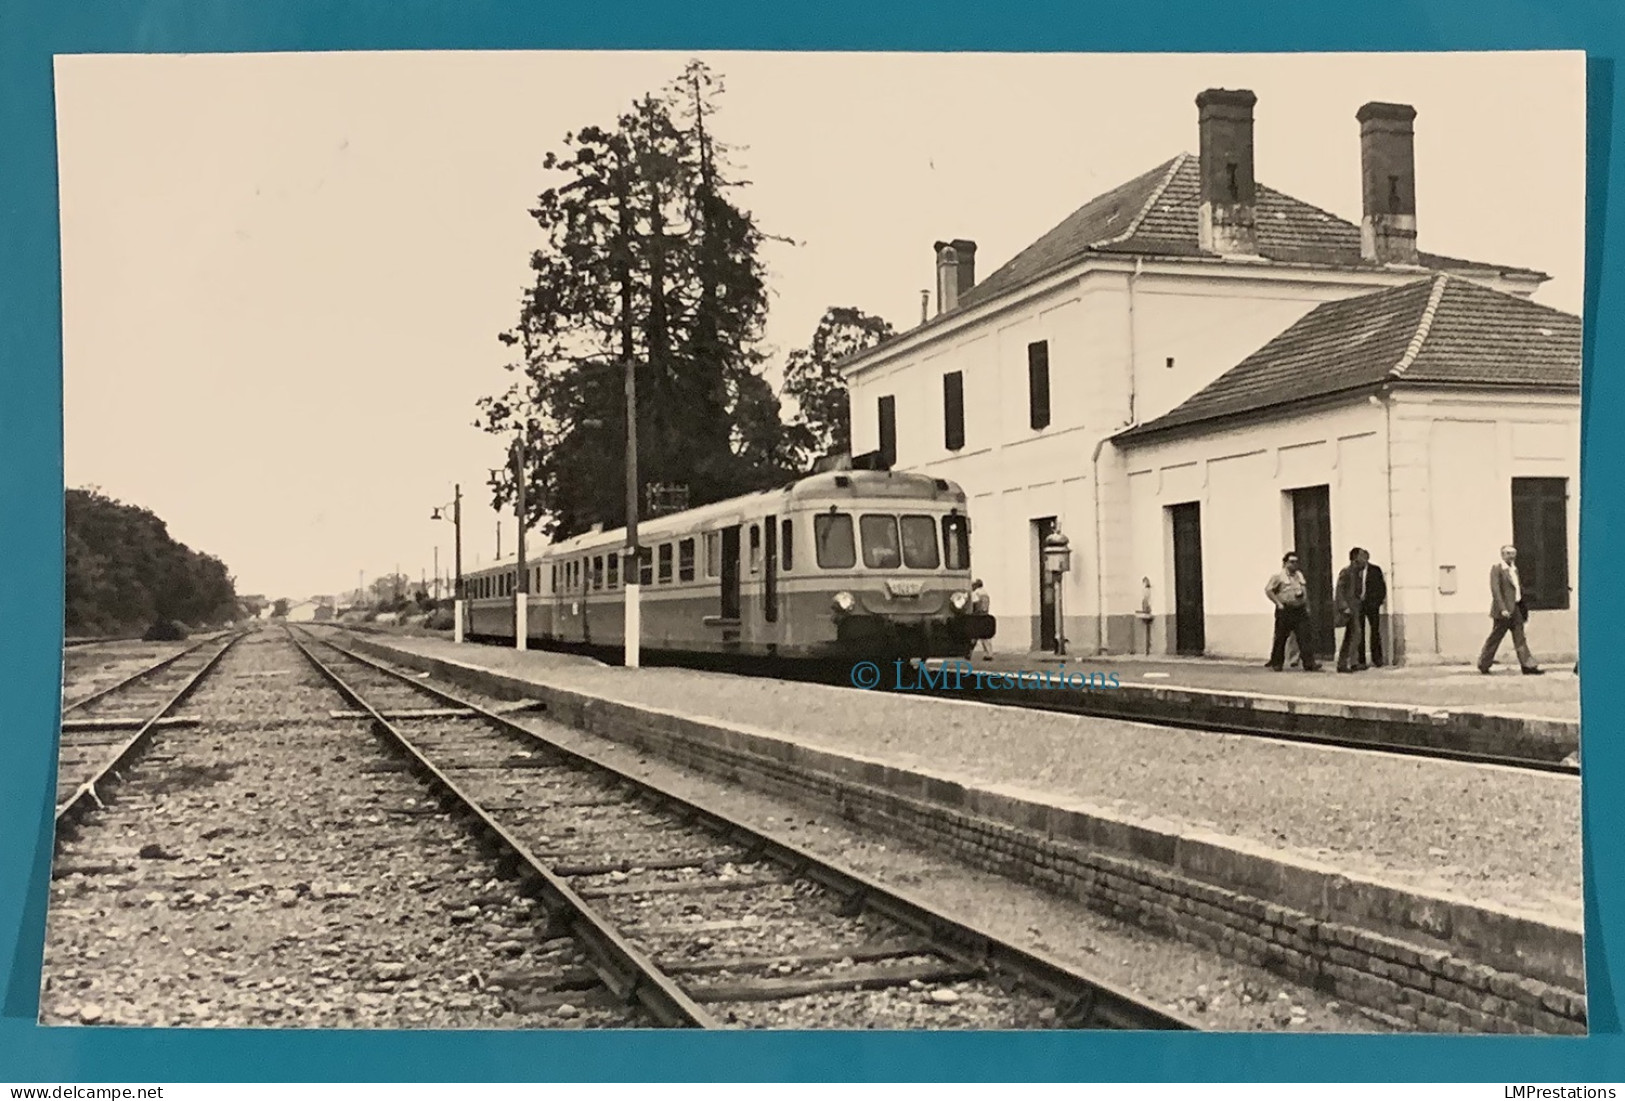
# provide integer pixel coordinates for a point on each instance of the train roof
(836, 484)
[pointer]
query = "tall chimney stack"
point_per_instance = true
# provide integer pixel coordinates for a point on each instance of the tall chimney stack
(1388, 180)
(1229, 197)
(956, 271)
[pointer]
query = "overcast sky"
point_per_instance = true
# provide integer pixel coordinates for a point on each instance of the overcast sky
(284, 274)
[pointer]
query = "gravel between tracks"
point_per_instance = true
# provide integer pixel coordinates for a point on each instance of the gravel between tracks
(275, 867)
(1506, 836)
(84, 673)
(1219, 993)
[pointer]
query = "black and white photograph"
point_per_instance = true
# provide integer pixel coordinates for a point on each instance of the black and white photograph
(940, 541)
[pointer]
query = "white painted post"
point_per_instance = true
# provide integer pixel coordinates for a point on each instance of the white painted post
(457, 614)
(634, 619)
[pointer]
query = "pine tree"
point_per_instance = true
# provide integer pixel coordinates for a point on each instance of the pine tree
(645, 257)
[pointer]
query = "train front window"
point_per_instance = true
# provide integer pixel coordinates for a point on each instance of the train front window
(956, 542)
(832, 539)
(920, 543)
(880, 549)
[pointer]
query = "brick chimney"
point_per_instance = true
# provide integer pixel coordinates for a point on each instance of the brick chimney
(1388, 179)
(1227, 217)
(956, 271)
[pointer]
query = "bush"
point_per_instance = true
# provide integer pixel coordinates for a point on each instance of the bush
(165, 630)
(440, 619)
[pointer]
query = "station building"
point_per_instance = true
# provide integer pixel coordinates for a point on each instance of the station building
(1193, 373)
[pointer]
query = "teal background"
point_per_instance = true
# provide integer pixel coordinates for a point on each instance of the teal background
(31, 31)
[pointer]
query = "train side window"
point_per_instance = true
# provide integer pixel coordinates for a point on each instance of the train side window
(956, 542)
(646, 566)
(756, 548)
(685, 560)
(553, 578)
(713, 553)
(597, 572)
(665, 564)
(880, 548)
(786, 545)
(614, 564)
(920, 543)
(832, 539)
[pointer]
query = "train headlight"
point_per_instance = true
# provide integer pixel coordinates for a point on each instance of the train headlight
(844, 602)
(959, 600)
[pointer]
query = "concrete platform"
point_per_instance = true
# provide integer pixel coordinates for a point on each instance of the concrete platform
(1448, 889)
(1437, 710)
(1462, 688)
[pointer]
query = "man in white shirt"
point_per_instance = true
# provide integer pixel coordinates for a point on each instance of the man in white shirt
(1508, 611)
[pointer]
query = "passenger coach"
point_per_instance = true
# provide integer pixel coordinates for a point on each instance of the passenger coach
(849, 563)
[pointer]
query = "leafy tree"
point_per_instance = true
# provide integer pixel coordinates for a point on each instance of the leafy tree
(390, 589)
(812, 381)
(280, 608)
(123, 571)
(646, 257)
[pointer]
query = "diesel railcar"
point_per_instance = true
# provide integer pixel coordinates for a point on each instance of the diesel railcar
(857, 563)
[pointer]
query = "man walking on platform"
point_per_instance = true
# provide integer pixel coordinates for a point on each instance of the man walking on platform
(1508, 611)
(1349, 604)
(1289, 592)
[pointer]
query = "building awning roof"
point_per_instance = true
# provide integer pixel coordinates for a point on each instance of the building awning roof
(1442, 331)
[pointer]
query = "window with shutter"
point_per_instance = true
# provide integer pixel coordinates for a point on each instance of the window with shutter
(1038, 383)
(888, 431)
(953, 410)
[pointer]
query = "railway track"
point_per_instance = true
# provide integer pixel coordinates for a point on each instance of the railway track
(105, 730)
(701, 919)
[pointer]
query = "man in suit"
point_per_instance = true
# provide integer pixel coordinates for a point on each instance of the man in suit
(1349, 609)
(1289, 592)
(1508, 611)
(1373, 595)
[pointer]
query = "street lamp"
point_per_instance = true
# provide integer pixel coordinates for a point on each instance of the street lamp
(521, 595)
(456, 519)
(517, 452)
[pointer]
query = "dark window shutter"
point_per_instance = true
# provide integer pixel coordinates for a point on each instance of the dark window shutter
(1038, 383)
(953, 410)
(888, 431)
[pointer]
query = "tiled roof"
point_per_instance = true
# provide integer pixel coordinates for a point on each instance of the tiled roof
(1155, 214)
(1439, 331)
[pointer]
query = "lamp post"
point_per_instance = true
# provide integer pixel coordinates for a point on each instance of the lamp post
(632, 568)
(521, 596)
(457, 585)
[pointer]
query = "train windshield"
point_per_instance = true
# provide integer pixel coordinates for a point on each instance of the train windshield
(956, 542)
(880, 549)
(920, 543)
(832, 536)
